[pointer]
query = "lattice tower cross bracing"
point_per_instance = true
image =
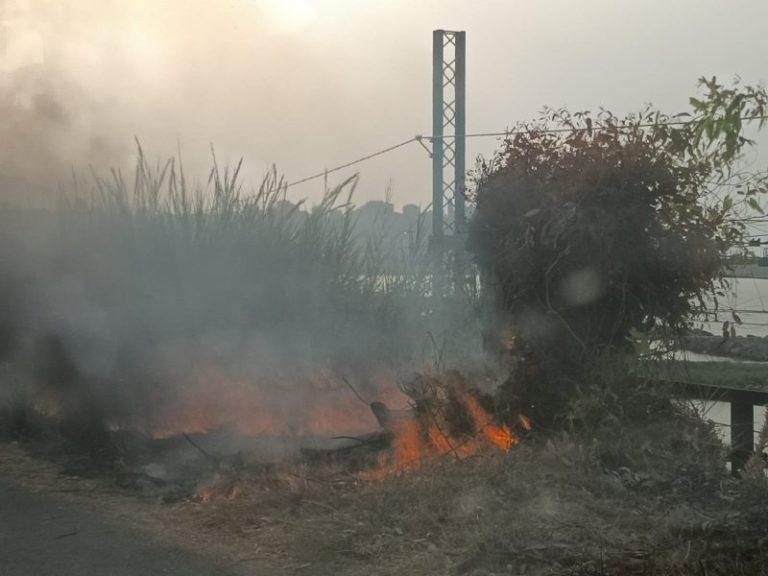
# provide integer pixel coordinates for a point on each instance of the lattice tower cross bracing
(449, 130)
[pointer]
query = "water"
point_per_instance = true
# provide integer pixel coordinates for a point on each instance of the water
(720, 414)
(745, 294)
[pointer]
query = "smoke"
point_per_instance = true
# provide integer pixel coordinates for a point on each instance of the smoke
(79, 79)
(155, 307)
(54, 120)
(202, 310)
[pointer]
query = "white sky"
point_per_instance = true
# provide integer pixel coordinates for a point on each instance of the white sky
(308, 84)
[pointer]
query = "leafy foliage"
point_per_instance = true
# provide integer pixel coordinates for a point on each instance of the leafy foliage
(589, 226)
(720, 117)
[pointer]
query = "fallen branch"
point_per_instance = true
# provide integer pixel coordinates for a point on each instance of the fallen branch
(200, 449)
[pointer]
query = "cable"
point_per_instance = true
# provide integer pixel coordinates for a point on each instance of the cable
(729, 310)
(419, 138)
(594, 129)
(353, 162)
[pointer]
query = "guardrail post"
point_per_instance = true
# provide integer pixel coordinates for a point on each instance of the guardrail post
(742, 434)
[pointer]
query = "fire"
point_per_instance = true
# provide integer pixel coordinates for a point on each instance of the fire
(499, 436)
(407, 443)
(415, 438)
(446, 417)
(439, 440)
(317, 404)
(233, 492)
(219, 490)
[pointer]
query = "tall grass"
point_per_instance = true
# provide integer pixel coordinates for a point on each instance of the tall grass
(269, 256)
(142, 285)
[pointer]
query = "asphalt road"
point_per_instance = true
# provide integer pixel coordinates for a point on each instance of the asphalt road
(41, 535)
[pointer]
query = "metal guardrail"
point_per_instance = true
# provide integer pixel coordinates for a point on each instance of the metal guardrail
(742, 402)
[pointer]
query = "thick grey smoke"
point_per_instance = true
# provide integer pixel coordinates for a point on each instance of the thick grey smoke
(45, 131)
(165, 309)
(79, 79)
(148, 307)
(308, 84)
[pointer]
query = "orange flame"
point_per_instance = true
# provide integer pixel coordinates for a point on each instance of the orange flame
(499, 436)
(412, 441)
(319, 405)
(225, 490)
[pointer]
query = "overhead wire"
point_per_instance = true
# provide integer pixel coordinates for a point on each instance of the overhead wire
(419, 138)
(354, 162)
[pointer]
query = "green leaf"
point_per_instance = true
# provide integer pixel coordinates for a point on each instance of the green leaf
(727, 204)
(754, 205)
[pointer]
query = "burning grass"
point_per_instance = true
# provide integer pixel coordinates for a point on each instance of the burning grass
(634, 489)
(647, 494)
(547, 507)
(148, 304)
(550, 506)
(446, 418)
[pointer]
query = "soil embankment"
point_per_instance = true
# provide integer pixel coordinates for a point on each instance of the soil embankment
(751, 348)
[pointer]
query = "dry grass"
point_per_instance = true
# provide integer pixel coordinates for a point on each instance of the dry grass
(543, 508)
(546, 507)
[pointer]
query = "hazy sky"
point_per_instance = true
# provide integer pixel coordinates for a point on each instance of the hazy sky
(307, 84)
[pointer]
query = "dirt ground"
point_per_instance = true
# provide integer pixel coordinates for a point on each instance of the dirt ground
(542, 508)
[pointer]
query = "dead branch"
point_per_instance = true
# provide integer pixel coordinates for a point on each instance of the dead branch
(200, 449)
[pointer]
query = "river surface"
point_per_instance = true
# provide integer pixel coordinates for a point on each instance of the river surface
(745, 294)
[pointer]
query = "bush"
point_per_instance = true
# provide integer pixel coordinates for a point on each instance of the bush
(588, 226)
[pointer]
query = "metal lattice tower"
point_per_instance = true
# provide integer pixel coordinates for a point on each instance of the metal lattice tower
(449, 130)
